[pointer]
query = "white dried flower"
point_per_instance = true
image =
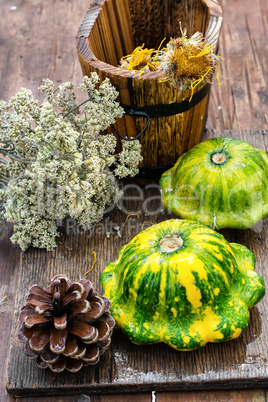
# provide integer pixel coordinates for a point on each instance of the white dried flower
(128, 159)
(47, 89)
(24, 103)
(58, 163)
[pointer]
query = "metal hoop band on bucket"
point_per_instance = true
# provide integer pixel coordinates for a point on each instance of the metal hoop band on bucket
(169, 109)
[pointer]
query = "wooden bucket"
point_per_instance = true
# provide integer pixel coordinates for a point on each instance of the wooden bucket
(166, 123)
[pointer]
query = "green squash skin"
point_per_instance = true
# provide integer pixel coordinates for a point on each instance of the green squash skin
(231, 195)
(197, 294)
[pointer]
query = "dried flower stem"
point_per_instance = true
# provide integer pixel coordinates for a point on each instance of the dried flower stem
(91, 269)
(3, 301)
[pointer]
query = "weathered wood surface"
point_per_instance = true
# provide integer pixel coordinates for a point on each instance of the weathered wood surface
(241, 101)
(125, 366)
(37, 41)
(257, 395)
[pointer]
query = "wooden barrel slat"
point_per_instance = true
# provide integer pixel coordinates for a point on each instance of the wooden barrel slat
(111, 29)
(124, 24)
(109, 9)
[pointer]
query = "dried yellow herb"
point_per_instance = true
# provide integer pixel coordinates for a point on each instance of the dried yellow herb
(186, 62)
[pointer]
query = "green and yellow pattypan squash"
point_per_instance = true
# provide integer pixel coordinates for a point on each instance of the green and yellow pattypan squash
(182, 283)
(222, 183)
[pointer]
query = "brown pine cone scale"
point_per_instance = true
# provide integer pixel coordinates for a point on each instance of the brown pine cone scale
(65, 326)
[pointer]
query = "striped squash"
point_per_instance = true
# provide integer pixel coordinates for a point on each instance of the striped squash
(222, 183)
(182, 283)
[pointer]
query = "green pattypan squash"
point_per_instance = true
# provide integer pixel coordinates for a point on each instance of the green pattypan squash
(222, 183)
(181, 283)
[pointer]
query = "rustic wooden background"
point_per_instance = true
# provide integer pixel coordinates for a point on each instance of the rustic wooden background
(37, 40)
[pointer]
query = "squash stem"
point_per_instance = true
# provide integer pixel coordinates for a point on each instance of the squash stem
(171, 242)
(219, 158)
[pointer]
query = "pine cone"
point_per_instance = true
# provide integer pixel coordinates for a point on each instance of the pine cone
(67, 325)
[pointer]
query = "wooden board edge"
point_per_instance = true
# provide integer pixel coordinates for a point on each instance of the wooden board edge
(236, 384)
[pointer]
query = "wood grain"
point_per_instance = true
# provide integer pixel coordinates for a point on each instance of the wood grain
(215, 396)
(37, 40)
(125, 366)
(10, 261)
(30, 51)
(257, 395)
(94, 398)
(241, 101)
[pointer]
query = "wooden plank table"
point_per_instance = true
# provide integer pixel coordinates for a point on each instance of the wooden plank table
(127, 367)
(37, 41)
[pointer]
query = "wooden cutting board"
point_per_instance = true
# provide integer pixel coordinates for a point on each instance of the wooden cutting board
(125, 367)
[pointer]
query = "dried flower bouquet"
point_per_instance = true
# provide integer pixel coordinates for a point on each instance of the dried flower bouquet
(185, 62)
(56, 161)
